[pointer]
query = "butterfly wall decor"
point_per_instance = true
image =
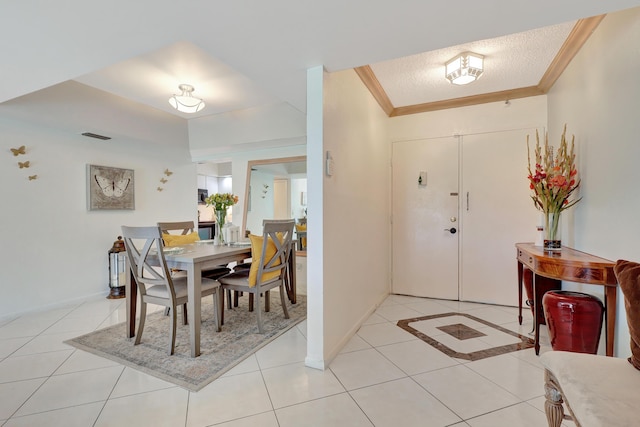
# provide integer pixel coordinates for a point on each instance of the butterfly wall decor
(164, 181)
(168, 172)
(20, 150)
(32, 177)
(110, 188)
(24, 164)
(160, 188)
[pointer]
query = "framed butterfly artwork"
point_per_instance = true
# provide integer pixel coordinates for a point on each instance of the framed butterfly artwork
(110, 188)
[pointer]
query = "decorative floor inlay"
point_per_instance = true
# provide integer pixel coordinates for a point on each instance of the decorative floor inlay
(458, 335)
(460, 331)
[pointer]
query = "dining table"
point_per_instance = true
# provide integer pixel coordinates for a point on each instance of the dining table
(193, 259)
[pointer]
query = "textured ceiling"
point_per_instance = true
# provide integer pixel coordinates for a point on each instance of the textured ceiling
(510, 62)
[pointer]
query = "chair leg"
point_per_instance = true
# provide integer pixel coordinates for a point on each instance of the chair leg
(172, 331)
(217, 308)
(229, 298)
(267, 301)
(251, 302)
(185, 317)
(553, 401)
(259, 313)
(143, 316)
(235, 298)
(167, 310)
(282, 301)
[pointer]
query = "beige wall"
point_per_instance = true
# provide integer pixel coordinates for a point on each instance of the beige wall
(355, 245)
(598, 97)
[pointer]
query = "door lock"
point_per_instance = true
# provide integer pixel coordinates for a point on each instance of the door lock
(451, 230)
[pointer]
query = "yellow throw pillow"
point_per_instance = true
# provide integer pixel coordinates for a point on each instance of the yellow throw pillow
(179, 239)
(303, 241)
(256, 253)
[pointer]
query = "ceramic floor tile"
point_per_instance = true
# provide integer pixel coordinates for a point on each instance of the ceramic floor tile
(10, 346)
(296, 383)
(267, 419)
(134, 382)
(46, 343)
(402, 402)
(76, 416)
(83, 361)
(520, 415)
(465, 391)
(227, 399)
(14, 394)
(514, 375)
(354, 344)
(157, 408)
(16, 368)
(61, 391)
(373, 319)
(250, 364)
(493, 315)
(338, 410)
(384, 334)
(428, 307)
(79, 325)
(291, 347)
(393, 313)
(364, 368)
(414, 357)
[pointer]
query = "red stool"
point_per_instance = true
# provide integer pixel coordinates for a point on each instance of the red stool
(574, 320)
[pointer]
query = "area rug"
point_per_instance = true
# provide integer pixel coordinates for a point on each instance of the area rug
(220, 351)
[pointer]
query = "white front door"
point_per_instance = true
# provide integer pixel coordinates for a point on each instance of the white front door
(425, 254)
(492, 212)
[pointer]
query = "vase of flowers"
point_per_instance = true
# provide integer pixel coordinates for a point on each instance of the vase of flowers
(553, 181)
(220, 203)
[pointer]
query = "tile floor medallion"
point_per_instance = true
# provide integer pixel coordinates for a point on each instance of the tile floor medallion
(464, 336)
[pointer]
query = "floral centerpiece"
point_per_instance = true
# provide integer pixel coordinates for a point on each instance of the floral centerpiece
(553, 181)
(220, 203)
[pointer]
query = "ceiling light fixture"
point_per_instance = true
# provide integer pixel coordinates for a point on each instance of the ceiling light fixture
(186, 102)
(464, 68)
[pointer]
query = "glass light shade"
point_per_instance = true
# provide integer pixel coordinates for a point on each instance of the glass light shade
(464, 68)
(186, 102)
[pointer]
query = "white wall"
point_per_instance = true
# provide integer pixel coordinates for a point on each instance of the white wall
(355, 212)
(598, 97)
(54, 251)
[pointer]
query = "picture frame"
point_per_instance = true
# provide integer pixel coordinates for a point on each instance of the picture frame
(110, 188)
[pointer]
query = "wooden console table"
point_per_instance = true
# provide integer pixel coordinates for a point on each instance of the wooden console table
(573, 266)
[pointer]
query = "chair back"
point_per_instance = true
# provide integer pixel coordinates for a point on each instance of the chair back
(186, 227)
(280, 232)
(148, 265)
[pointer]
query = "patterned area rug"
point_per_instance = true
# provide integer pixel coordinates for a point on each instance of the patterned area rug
(220, 351)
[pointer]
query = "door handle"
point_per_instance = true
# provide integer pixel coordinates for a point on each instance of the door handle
(451, 230)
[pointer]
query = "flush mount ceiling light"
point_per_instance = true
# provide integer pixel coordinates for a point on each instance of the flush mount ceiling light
(186, 102)
(464, 68)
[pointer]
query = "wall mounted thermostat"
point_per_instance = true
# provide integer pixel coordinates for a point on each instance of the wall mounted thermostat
(329, 167)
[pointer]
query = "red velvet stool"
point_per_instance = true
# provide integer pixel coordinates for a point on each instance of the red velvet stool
(574, 320)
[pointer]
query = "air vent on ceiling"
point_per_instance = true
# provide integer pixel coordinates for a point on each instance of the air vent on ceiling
(96, 136)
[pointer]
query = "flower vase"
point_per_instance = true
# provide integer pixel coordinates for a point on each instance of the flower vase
(220, 218)
(552, 234)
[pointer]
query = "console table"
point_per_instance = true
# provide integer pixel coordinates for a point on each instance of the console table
(573, 266)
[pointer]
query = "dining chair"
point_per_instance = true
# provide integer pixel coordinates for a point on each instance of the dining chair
(269, 266)
(155, 283)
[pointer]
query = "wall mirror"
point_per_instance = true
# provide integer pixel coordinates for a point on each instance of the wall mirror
(275, 189)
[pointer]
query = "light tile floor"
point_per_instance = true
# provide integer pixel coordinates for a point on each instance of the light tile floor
(384, 376)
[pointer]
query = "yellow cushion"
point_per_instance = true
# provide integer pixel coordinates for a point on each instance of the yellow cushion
(303, 240)
(179, 239)
(256, 253)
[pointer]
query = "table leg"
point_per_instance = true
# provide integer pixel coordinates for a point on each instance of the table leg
(194, 286)
(610, 302)
(519, 293)
(536, 318)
